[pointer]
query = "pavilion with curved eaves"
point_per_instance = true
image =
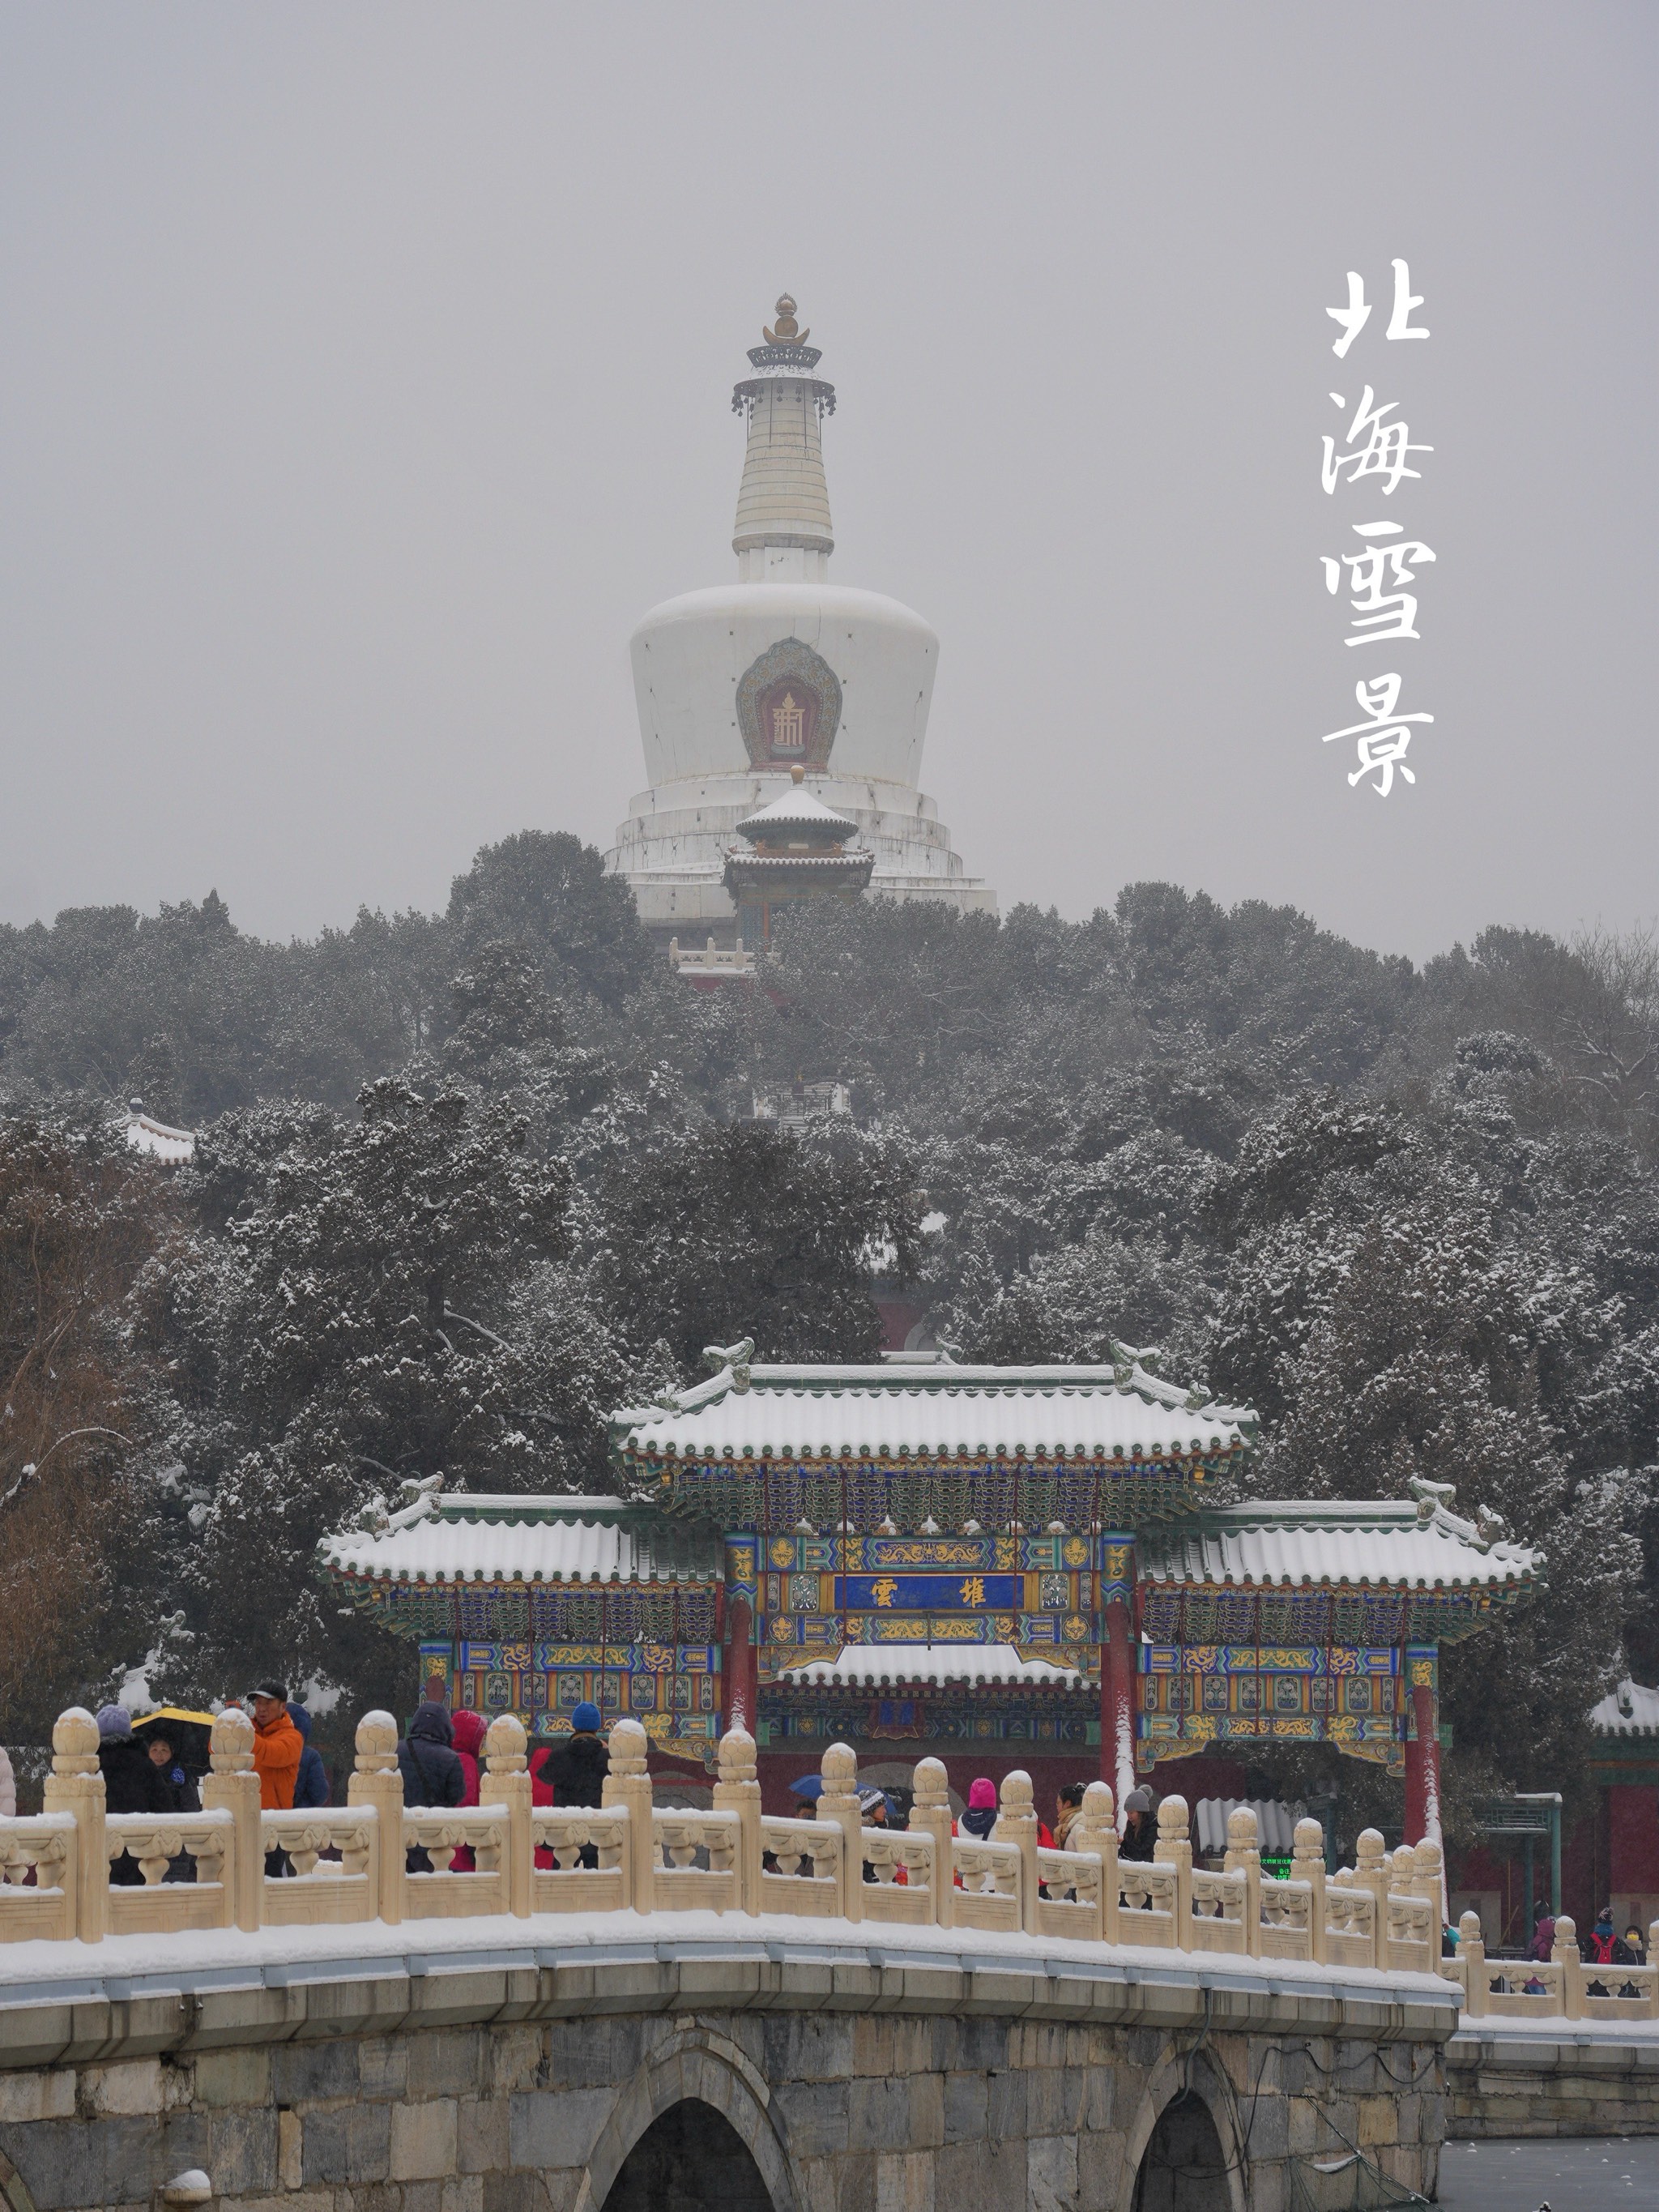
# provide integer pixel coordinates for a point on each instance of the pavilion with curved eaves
(1001, 1566)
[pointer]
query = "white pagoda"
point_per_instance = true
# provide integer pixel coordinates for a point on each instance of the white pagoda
(739, 684)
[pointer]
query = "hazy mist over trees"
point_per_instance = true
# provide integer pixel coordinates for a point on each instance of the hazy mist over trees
(463, 1182)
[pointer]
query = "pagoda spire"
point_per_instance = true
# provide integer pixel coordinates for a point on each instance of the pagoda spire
(783, 526)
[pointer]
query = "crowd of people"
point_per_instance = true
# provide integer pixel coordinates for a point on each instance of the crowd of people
(154, 1763)
(980, 1815)
(148, 1767)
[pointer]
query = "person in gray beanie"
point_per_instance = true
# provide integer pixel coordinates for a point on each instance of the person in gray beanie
(1141, 1829)
(132, 1784)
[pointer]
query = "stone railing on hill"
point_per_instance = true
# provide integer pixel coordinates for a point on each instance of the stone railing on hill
(351, 1863)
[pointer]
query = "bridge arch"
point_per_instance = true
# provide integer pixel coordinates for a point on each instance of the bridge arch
(1187, 2118)
(695, 2068)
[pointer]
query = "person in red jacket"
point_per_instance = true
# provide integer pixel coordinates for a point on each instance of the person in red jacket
(541, 1793)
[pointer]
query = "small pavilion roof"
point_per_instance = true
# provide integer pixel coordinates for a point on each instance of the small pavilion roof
(144, 1134)
(797, 810)
(873, 1665)
(506, 1539)
(1630, 1709)
(763, 1411)
(1391, 1545)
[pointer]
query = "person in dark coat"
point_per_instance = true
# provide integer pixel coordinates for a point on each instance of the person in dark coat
(180, 1790)
(177, 1788)
(575, 1769)
(1141, 1833)
(132, 1784)
(432, 1772)
(311, 1783)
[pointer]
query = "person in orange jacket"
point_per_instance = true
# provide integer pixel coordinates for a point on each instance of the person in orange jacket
(277, 1745)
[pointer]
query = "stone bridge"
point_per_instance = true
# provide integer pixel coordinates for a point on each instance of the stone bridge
(513, 2008)
(752, 2071)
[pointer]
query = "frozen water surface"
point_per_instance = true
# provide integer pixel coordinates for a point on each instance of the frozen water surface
(1597, 2175)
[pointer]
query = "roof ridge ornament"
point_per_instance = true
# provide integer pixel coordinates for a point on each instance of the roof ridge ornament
(1430, 1495)
(1126, 1358)
(420, 1501)
(718, 1357)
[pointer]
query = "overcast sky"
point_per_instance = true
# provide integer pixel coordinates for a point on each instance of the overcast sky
(365, 375)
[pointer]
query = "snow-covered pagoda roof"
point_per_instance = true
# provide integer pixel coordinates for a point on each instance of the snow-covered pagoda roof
(798, 811)
(948, 1412)
(1630, 1709)
(873, 1666)
(1391, 1545)
(504, 1539)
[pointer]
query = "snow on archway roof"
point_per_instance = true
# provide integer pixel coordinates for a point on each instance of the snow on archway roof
(471, 1538)
(762, 1410)
(1391, 1545)
(869, 1666)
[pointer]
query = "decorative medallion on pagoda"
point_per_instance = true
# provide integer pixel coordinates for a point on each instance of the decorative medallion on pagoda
(789, 707)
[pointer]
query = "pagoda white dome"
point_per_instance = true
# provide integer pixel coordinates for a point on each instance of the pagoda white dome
(741, 685)
(691, 654)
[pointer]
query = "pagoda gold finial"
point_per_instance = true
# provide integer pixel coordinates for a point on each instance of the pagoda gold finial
(797, 774)
(787, 331)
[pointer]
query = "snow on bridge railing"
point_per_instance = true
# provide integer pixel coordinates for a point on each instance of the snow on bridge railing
(376, 1858)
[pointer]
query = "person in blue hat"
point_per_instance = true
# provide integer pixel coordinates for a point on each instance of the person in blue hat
(574, 1768)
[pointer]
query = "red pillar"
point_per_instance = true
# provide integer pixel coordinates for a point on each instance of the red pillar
(1117, 1705)
(1423, 1758)
(737, 1668)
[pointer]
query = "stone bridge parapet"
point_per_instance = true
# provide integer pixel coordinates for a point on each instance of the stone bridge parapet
(745, 2070)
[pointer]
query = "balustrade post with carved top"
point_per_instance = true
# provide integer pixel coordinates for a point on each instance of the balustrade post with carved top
(233, 1787)
(1016, 1823)
(737, 1791)
(930, 1815)
(1308, 1864)
(1431, 1879)
(1095, 1830)
(839, 1803)
(1472, 1960)
(1174, 1849)
(628, 1784)
(75, 1785)
(375, 1781)
(1244, 1856)
(1563, 1953)
(505, 1781)
(1370, 1871)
